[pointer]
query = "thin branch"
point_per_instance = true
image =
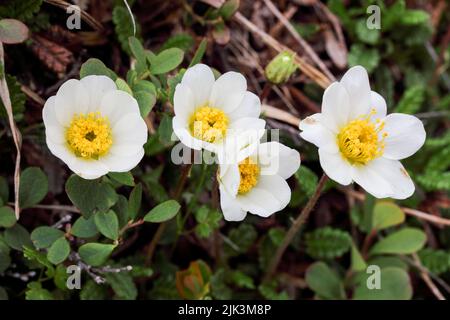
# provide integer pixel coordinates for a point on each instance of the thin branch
(4, 93)
(426, 278)
(305, 46)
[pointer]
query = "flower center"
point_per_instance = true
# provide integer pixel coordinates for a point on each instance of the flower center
(208, 124)
(89, 135)
(359, 141)
(249, 172)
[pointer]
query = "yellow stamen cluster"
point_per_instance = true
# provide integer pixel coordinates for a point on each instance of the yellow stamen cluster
(89, 136)
(249, 172)
(359, 141)
(209, 124)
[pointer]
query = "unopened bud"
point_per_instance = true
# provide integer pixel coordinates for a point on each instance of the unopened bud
(281, 67)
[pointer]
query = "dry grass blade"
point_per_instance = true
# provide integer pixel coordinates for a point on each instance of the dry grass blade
(426, 278)
(84, 15)
(4, 93)
(308, 50)
(280, 115)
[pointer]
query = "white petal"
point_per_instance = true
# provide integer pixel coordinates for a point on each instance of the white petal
(72, 98)
(250, 106)
(241, 139)
(200, 80)
(406, 135)
(356, 82)
(384, 178)
(124, 163)
(180, 130)
(230, 178)
(116, 104)
(278, 159)
(230, 207)
(130, 129)
(184, 102)
(335, 107)
(88, 169)
(278, 187)
(336, 167)
(260, 202)
(97, 87)
(53, 129)
(60, 151)
(315, 132)
(228, 91)
(378, 103)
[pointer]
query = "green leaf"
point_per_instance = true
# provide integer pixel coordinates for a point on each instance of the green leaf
(123, 26)
(95, 66)
(123, 86)
(414, 17)
(165, 130)
(138, 52)
(240, 239)
(163, 212)
(4, 190)
(17, 236)
(34, 255)
(229, 8)
(84, 228)
(59, 251)
(108, 224)
(5, 261)
(18, 98)
(357, 261)
(36, 292)
(437, 261)
(366, 35)
(324, 281)
(307, 180)
(411, 100)
(242, 280)
(146, 102)
(395, 285)
(270, 291)
(386, 214)
(21, 10)
(90, 195)
(93, 291)
(166, 61)
(360, 55)
(434, 180)
(123, 285)
(182, 41)
(7, 217)
(125, 178)
(327, 243)
(13, 31)
(134, 202)
(95, 254)
(33, 187)
(44, 237)
(404, 241)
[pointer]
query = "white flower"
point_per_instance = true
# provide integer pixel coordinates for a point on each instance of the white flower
(258, 183)
(216, 115)
(94, 127)
(358, 142)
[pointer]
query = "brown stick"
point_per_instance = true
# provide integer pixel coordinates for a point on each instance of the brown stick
(426, 278)
(4, 93)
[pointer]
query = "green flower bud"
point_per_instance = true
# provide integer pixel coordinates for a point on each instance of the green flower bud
(281, 67)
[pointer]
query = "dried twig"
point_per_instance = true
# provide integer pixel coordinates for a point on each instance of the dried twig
(4, 93)
(305, 46)
(90, 20)
(426, 278)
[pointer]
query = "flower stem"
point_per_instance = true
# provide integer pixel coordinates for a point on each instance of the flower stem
(300, 221)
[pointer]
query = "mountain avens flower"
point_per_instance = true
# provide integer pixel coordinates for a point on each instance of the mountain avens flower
(358, 142)
(209, 113)
(280, 69)
(258, 184)
(94, 127)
